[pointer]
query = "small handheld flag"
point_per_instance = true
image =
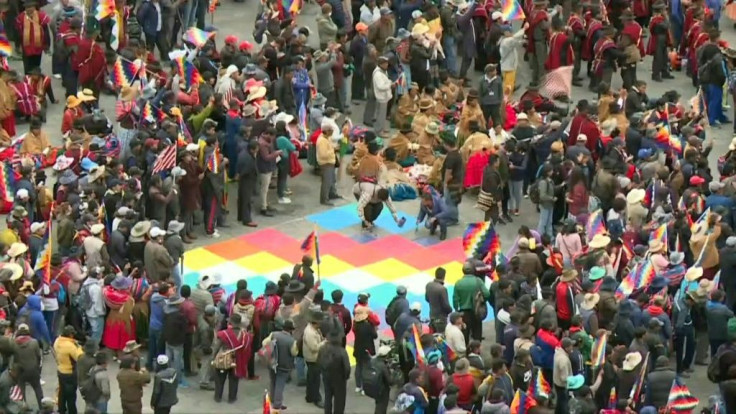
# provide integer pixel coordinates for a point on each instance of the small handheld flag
(197, 37)
(415, 340)
(511, 10)
(598, 354)
(522, 403)
(310, 245)
(595, 224)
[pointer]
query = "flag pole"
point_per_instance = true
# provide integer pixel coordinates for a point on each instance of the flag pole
(316, 253)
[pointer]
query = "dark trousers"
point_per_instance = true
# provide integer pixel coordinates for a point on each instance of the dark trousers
(160, 42)
(473, 326)
(357, 84)
(505, 201)
(464, 66)
(31, 62)
(282, 169)
(335, 394)
(628, 75)
(372, 211)
(211, 213)
(659, 61)
(35, 382)
(382, 403)
(67, 393)
(69, 79)
(576, 64)
(188, 353)
(684, 348)
(313, 381)
(246, 187)
(232, 385)
(252, 365)
(562, 398)
(162, 410)
(492, 213)
(492, 113)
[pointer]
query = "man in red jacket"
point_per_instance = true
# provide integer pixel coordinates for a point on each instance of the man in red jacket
(583, 124)
(89, 61)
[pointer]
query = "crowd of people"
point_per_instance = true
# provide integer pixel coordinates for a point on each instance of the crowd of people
(92, 265)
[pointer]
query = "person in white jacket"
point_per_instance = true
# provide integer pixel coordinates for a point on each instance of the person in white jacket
(369, 12)
(508, 48)
(382, 87)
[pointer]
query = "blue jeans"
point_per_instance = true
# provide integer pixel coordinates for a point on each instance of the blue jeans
(545, 221)
(101, 407)
(188, 14)
(714, 98)
(96, 325)
(50, 318)
(176, 359)
(449, 45)
(648, 410)
(176, 275)
(155, 348)
(684, 348)
(516, 189)
(301, 369)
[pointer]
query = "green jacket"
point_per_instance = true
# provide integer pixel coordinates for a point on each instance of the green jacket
(465, 290)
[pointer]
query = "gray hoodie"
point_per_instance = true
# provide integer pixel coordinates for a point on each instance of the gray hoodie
(495, 408)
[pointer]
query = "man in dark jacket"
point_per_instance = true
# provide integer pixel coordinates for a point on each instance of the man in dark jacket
(303, 272)
(333, 360)
(284, 92)
(727, 257)
(28, 357)
(131, 382)
(398, 306)
(175, 328)
(266, 164)
(637, 99)
(493, 185)
(342, 313)
(385, 381)
(165, 384)
(439, 303)
(117, 245)
(659, 383)
(717, 315)
(247, 181)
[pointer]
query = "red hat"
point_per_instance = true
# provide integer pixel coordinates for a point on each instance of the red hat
(696, 180)
(231, 40)
(245, 45)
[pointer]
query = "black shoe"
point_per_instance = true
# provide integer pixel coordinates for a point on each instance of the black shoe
(684, 375)
(657, 78)
(667, 76)
(507, 218)
(501, 221)
(266, 213)
(327, 203)
(319, 404)
(443, 234)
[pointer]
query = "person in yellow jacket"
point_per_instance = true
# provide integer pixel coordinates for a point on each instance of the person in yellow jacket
(67, 352)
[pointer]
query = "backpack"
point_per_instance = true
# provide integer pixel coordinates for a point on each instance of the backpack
(714, 368)
(370, 378)
(479, 303)
(23, 318)
(84, 299)
(534, 192)
(265, 310)
(89, 389)
(225, 358)
(392, 311)
(61, 295)
(404, 403)
(133, 27)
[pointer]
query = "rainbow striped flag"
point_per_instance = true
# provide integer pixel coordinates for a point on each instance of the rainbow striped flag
(612, 399)
(6, 50)
(522, 403)
(598, 354)
(538, 386)
(197, 37)
(105, 9)
(635, 394)
(681, 400)
(475, 239)
(511, 10)
(595, 224)
(213, 162)
(415, 344)
(446, 350)
(43, 261)
(660, 233)
(703, 217)
(310, 245)
(266, 403)
(152, 113)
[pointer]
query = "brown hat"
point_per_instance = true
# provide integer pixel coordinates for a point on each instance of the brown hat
(473, 93)
(425, 104)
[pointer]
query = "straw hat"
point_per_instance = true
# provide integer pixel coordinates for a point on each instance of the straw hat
(17, 249)
(131, 346)
(361, 313)
(631, 361)
(96, 173)
(97, 228)
(569, 275)
(256, 93)
(127, 93)
(72, 101)
(419, 29)
(694, 273)
(590, 300)
(140, 229)
(86, 95)
(13, 270)
(599, 241)
(425, 103)
(432, 128)
(635, 196)
(704, 287)
(655, 246)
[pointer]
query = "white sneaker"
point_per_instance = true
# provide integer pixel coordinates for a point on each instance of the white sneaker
(57, 76)
(358, 390)
(215, 235)
(284, 200)
(362, 392)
